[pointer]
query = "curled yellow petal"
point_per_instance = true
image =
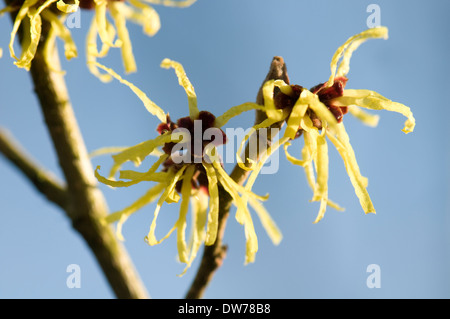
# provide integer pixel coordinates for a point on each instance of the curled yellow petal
(148, 176)
(321, 162)
(250, 162)
(92, 52)
(102, 24)
(31, 38)
(149, 104)
(181, 223)
(143, 15)
(374, 101)
(183, 80)
(213, 215)
(220, 171)
(322, 209)
(138, 153)
(199, 210)
(321, 187)
(308, 154)
(21, 14)
(151, 237)
(367, 118)
(242, 216)
(67, 8)
(117, 149)
(122, 215)
(319, 108)
(144, 200)
(122, 32)
(294, 160)
(235, 111)
(264, 157)
(345, 51)
(268, 223)
(70, 49)
(107, 150)
(343, 146)
(308, 167)
(293, 123)
(276, 115)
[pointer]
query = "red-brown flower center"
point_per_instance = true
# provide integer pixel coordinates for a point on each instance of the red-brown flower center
(201, 132)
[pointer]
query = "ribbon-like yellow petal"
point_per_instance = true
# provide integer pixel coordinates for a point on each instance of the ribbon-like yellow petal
(348, 47)
(148, 176)
(321, 162)
(242, 216)
(292, 159)
(183, 80)
(321, 187)
(181, 223)
(213, 215)
(102, 24)
(367, 118)
(137, 153)
(67, 8)
(268, 223)
(70, 49)
(147, 198)
(219, 169)
(21, 14)
(107, 150)
(319, 108)
(143, 15)
(308, 154)
(122, 32)
(92, 52)
(140, 176)
(149, 104)
(122, 215)
(343, 146)
(309, 168)
(276, 115)
(199, 210)
(293, 123)
(31, 41)
(151, 237)
(249, 165)
(374, 101)
(235, 111)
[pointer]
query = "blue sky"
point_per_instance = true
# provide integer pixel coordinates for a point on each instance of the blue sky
(226, 48)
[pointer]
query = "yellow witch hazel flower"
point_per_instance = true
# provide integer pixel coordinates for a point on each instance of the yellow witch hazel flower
(317, 114)
(191, 171)
(137, 11)
(31, 12)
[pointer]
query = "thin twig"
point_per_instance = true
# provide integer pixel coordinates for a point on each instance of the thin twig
(44, 181)
(214, 255)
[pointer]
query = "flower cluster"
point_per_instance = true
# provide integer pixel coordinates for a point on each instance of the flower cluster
(318, 113)
(30, 13)
(192, 171)
(188, 169)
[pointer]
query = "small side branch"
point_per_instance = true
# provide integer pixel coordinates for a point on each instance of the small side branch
(44, 181)
(214, 255)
